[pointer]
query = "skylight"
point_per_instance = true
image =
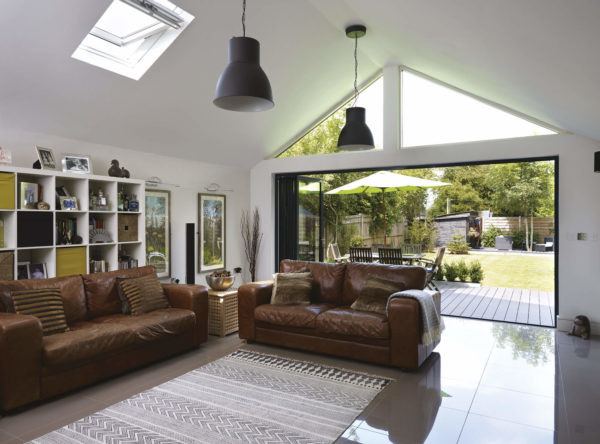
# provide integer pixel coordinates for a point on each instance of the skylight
(131, 35)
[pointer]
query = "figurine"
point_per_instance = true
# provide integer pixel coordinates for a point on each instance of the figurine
(124, 173)
(114, 170)
(581, 327)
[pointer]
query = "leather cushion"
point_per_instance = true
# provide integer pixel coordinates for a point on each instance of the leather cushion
(144, 294)
(328, 279)
(113, 334)
(357, 274)
(71, 293)
(292, 289)
(46, 305)
(348, 322)
(375, 294)
(102, 293)
(290, 315)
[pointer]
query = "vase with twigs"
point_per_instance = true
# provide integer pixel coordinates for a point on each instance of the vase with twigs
(252, 238)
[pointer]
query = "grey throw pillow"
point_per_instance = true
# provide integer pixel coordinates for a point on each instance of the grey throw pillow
(292, 289)
(375, 294)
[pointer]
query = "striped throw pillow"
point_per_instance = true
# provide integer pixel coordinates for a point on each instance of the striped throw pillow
(144, 294)
(45, 304)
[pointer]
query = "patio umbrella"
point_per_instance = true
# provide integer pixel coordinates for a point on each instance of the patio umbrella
(386, 182)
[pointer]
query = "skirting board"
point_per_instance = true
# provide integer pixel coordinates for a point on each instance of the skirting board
(563, 324)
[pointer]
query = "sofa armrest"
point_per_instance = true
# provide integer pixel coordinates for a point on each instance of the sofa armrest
(404, 315)
(195, 298)
(20, 360)
(251, 296)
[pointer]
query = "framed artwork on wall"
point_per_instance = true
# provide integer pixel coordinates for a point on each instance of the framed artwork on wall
(158, 231)
(211, 223)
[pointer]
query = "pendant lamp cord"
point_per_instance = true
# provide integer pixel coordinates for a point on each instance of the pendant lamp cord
(244, 17)
(355, 70)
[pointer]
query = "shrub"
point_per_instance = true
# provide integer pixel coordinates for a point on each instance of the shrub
(462, 270)
(439, 274)
(345, 233)
(421, 233)
(356, 241)
(458, 245)
(451, 271)
(476, 272)
(519, 238)
(488, 238)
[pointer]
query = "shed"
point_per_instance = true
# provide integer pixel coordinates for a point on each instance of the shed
(453, 224)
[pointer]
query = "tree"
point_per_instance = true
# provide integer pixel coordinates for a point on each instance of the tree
(321, 139)
(463, 197)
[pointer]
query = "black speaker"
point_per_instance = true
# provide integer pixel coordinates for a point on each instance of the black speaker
(597, 162)
(190, 256)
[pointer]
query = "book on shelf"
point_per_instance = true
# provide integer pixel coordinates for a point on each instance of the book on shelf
(66, 229)
(98, 266)
(126, 262)
(96, 222)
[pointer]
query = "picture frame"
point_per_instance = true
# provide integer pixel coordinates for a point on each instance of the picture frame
(47, 159)
(68, 203)
(211, 224)
(30, 193)
(23, 270)
(158, 231)
(37, 271)
(77, 163)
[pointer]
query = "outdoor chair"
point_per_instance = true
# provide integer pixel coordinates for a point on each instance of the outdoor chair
(412, 248)
(391, 256)
(432, 267)
(361, 254)
(333, 252)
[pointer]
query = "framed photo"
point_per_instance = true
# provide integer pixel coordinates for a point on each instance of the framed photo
(46, 156)
(211, 223)
(75, 163)
(158, 231)
(37, 271)
(29, 195)
(68, 203)
(22, 270)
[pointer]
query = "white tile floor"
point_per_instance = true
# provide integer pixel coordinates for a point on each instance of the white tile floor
(487, 383)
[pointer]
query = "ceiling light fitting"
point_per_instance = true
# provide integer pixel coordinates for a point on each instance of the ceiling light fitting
(243, 85)
(355, 135)
(157, 11)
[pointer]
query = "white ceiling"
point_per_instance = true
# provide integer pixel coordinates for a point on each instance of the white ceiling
(539, 57)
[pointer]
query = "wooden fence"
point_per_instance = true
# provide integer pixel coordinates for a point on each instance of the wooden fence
(362, 223)
(544, 226)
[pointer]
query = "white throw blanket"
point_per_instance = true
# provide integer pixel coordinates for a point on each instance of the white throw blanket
(432, 321)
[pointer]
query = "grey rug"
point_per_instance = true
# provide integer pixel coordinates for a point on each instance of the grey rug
(244, 397)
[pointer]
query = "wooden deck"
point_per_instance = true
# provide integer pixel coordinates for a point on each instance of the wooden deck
(533, 307)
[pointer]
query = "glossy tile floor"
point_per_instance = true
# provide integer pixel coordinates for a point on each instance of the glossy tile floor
(487, 383)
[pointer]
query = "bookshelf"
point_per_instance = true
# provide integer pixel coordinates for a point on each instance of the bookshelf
(44, 236)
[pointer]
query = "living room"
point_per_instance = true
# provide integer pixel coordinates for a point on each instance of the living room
(169, 122)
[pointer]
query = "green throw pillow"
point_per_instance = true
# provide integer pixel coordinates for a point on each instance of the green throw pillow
(144, 294)
(45, 304)
(292, 289)
(375, 293)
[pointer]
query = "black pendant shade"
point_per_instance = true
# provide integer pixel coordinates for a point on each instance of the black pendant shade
(355, 135)
(243, 85)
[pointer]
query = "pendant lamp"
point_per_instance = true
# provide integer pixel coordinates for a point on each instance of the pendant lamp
(355, 135)
(243, 85)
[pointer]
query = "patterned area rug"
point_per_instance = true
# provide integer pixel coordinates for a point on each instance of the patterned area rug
(245, 397)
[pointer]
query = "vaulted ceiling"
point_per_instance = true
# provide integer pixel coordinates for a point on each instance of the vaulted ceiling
(538, 57)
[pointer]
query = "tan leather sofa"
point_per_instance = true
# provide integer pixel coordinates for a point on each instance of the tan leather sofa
(329, 326)
(102, 341)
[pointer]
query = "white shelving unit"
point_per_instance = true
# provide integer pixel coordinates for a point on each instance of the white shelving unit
(79, 186)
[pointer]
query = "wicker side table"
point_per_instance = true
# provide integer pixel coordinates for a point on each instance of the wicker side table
(222, 312)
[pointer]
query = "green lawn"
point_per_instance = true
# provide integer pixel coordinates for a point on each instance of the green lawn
(535, 272)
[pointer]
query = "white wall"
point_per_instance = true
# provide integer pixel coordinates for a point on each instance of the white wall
(579, 206)
(191, 176)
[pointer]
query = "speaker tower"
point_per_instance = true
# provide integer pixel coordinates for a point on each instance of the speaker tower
(190, 256)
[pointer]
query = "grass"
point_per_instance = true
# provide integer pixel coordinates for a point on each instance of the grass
(535, 272)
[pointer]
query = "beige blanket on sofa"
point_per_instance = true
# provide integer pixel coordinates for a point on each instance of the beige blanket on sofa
(431, 318)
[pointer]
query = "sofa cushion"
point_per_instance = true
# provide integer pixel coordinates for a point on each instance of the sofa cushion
(292, 288)
(113, 334)
(290, 315)
(345, 321)
(102, 293)
(71, 293)
(375, 294)
(328, 279)
(144, 294)
(357, 274)
(45, 304)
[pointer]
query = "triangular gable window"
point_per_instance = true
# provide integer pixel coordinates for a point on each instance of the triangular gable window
(433, 114)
